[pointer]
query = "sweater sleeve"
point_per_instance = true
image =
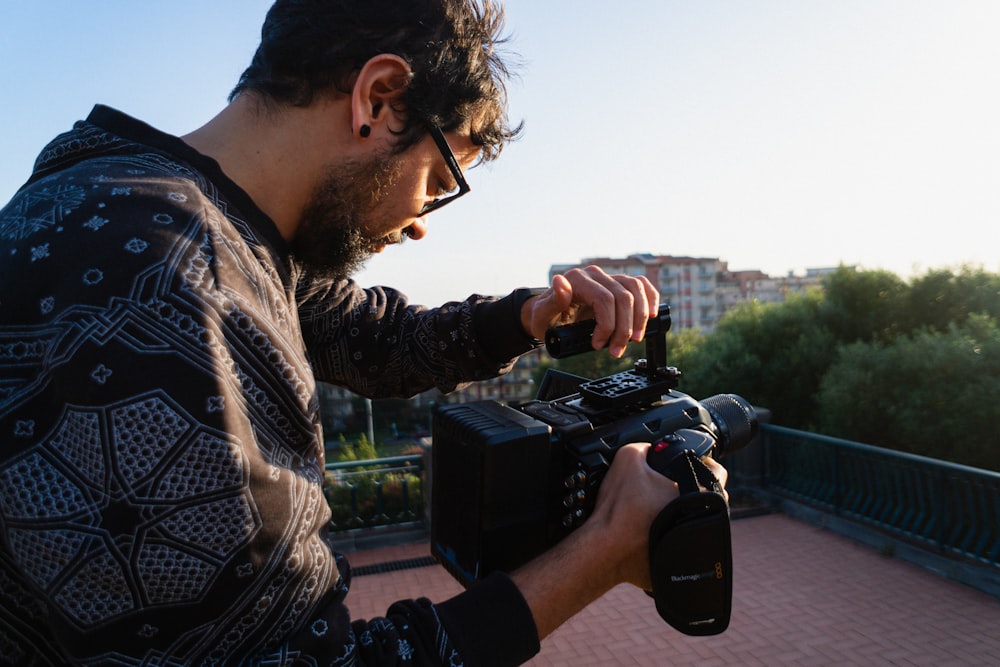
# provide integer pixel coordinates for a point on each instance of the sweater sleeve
(374, 342)
(488, 625)
(491, 623)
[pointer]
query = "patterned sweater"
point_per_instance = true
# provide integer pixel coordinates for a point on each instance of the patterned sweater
(160, 448)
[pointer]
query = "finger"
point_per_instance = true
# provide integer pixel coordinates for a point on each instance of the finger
(592, 297)
(557, 307)
(625, 322)
(645, 304)
(622, 305)
(612, 304)
(720, 473)
(633, 308)
(717, 469)
(645, 485)
(548, 308)
(561, 292)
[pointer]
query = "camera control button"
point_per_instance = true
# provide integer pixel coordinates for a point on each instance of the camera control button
(667, 441)
(575, 499)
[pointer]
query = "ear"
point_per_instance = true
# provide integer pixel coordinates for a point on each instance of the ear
(379, 85)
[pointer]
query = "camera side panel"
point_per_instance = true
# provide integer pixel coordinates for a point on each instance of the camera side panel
(491, 470)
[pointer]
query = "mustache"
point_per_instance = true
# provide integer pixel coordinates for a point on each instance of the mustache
(393, 238)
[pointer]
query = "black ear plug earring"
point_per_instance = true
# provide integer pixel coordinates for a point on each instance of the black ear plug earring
(365, 131)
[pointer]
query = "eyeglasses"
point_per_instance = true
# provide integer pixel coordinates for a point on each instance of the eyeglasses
(456, 171)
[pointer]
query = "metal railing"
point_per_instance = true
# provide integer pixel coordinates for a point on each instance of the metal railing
(951, 508)
(377, 492)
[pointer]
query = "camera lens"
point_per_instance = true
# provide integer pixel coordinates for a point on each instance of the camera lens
(736, 420)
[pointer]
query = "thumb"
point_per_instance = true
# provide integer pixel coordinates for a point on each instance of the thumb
(550, 307)
(561, 294)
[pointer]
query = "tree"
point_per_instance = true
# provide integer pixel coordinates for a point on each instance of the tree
(928, 393)
(941, 298)
(862, 305)
(774, 355)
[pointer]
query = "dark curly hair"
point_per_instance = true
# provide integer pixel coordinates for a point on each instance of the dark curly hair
(312, 47)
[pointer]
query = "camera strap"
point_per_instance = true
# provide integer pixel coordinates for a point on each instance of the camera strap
(691, 473)
(690, 551)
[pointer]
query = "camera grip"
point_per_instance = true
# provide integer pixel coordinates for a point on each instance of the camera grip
(690, 546)
(690, 561)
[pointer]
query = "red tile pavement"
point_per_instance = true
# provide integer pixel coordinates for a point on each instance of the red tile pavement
(802, 596)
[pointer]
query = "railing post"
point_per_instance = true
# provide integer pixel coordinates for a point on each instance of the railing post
(941, 507)
(765, 445)
(355, 521)
(406, 513)
(376, 475)
(838, 478)
(380, 515)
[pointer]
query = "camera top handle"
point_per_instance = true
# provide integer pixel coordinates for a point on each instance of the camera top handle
(573, 339)
(646, 382)
(656, 338)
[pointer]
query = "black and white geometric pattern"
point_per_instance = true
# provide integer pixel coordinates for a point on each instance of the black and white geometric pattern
(153, 510)
(160, 450)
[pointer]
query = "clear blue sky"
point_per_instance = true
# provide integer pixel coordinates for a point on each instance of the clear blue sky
(773, 134)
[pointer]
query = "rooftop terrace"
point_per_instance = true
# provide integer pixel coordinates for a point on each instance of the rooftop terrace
(802, 595)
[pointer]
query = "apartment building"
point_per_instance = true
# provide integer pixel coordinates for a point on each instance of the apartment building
(701, 289)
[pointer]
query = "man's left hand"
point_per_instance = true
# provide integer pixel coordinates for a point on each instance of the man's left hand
(620, 304)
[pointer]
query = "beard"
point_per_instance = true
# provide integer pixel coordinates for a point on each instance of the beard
(334, 238)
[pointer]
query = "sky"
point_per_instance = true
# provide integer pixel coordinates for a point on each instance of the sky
(778, 135)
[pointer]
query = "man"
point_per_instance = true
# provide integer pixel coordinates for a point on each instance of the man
(166, 305)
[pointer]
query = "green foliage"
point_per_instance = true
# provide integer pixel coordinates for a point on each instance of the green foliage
(360, 450)
(862, 305)
(941, 299)
(927, 393)
(367, 497)
(869, 357)
(773, 355)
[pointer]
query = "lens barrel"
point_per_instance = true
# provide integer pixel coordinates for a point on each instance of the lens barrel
(736, 420)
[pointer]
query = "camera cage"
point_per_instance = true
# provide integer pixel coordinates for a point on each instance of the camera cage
(509, 482)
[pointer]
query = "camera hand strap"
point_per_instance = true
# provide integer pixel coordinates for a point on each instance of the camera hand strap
(691, 473)
(690, 551)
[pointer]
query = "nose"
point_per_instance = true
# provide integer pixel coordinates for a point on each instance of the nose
(417, 230)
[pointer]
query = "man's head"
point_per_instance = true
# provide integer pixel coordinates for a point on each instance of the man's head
(411, 68)
(311, 48)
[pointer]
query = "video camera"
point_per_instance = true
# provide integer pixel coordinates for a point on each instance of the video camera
(508, 483)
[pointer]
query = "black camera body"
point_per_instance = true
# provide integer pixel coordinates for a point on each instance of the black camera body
(508, 483)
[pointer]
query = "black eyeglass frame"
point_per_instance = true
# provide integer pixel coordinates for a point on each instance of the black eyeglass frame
(456, 171)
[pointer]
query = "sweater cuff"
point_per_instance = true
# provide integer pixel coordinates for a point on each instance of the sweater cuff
(490, 624)
(498, 325)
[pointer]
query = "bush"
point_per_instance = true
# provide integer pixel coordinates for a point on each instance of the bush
(929, 393)
(354, 499)
(774, 355)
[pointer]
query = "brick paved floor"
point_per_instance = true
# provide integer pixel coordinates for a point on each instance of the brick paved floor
(802, 596)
